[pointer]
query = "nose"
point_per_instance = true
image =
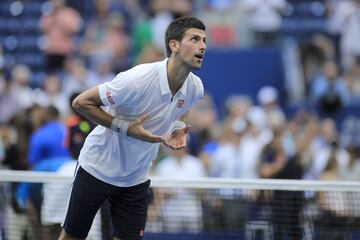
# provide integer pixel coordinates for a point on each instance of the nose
(203, 46)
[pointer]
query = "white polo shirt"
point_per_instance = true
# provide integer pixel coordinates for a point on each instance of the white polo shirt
(122, 160)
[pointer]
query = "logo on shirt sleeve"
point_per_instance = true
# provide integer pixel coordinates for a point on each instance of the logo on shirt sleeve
(180, 103)
(109, 97)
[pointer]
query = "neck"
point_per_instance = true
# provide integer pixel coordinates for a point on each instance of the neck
(177, 73)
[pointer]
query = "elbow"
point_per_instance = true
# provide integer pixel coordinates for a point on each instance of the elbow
(86, 102)
(77, 104)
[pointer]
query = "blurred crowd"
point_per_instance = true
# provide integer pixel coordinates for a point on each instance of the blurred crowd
(256, 139)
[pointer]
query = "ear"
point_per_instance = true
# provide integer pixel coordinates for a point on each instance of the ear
(174, 45)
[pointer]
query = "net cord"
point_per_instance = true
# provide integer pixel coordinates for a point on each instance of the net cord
(198, 183)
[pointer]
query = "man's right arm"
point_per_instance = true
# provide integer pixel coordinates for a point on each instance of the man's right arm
(89, 105)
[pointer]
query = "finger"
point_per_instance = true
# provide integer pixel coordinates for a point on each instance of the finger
(153, 138)
(168, 145)
(143, 118)
(178, 147)
(186, 130)
(183, 146)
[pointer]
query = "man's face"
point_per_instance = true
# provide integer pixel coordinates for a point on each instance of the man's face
(192, 47)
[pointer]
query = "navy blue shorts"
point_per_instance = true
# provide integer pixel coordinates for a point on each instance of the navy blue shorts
(129, 206)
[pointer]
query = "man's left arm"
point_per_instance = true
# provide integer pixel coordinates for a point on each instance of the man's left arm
(178, 130)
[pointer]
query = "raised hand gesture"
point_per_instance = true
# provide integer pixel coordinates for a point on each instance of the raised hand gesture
(177, 139)
(136, 130)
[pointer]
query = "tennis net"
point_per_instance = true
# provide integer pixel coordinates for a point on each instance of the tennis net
(198, 209)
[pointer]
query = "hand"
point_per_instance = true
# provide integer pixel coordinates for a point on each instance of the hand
(136, 130)
(177, 139)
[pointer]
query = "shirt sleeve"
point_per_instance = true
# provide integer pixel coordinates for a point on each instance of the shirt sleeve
(199, 90)
(119, 92)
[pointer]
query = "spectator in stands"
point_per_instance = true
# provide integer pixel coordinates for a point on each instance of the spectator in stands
(29, 196)
(19, 132)
(160, 17)
(233, 30)
(276, 164)
(142, 36)
(52, 95)
(352, 80)
(152, 25)
(149, 53)
(227, 162)
(105, 38)
(323, 145)
(102, 73)
(16, 136)
(237, 106)
(55, 198)
(77, 77)
(265, 19)
(344, 20)
(328, 90)
(314, 53)
(203, 122)
(326, 45)
(45, 204)
(208, 147)
(8, 97)
(302, 129)
(2, 58)
(17, 224)
(3, 207)
(2, 149)
(180, 8)
(79, 128)
(252, 144)
(20, 80)
(268, 103)
(49, 139)
(181, 209)
(352, 172)
(333, 218)
(273, 156)
(60, 26)
(11, 155)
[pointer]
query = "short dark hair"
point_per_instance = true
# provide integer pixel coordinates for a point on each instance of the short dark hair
(178, 27)
(52, 112)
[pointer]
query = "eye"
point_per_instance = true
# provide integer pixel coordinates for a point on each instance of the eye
(195, 39)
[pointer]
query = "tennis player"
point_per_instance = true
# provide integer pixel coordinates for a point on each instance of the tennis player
(145, 106)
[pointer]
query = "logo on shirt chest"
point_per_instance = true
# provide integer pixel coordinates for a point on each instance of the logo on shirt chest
(180, 103)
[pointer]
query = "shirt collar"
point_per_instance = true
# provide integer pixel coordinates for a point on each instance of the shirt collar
(164, 82)
(184, 86)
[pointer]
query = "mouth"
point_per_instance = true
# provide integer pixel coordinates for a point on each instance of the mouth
(199, 57)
